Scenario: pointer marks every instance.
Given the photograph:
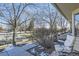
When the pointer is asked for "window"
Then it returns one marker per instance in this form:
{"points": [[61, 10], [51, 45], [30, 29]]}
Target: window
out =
{"points": [[77, 24]]}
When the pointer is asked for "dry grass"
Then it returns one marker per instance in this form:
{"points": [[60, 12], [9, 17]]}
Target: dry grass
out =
{"points": [[3, 46]]}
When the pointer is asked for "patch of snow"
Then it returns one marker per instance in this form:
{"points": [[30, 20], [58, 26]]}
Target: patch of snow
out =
{"points": [[54, 53], [17, 51], [67, 49], [59, 47], [61, 41], [3, 54], [28, 46], [69, 40], [43, 54], [33, 51], [9, 47], [67, 44]]}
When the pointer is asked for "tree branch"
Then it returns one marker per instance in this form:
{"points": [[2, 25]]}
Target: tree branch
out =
{"points": [[23, 22], [4, 23]]}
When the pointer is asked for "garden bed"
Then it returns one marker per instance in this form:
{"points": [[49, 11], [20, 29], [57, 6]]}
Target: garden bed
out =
{"points": [[38, 51]]}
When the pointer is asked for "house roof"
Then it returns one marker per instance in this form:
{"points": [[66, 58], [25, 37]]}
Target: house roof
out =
{"points": [[67, 9]]}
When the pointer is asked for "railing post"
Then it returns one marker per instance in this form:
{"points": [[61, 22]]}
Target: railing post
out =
{"points": [[73, 25], [73, 30]]}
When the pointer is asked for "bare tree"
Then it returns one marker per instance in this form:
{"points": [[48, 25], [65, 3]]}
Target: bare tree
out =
{"points": [[46, 36], [31, 25], [13, 16], [52, 21], [62, 24]]}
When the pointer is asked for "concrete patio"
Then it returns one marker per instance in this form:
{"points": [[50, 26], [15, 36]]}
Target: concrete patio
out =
{"points": [[17, 51]]}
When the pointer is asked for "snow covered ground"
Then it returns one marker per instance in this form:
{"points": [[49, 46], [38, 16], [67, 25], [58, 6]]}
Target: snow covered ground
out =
{"points": [[10, 50], [17, 51]]}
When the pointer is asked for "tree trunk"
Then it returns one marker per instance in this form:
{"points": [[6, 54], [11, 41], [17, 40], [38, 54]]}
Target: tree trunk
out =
{"points": [[52, 38], [14, 43]]}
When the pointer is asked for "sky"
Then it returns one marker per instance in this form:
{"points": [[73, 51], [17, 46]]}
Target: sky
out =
{"points": [[77, 17], [32, 9], [77, 20]]}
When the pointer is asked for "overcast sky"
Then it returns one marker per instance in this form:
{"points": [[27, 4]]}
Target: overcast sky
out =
{"points": [[31, 9]]}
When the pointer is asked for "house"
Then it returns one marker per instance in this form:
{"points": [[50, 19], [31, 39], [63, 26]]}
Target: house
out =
{"points": [[69, 11]]}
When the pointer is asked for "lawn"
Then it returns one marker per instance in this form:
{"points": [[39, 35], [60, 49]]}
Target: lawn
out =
{"points": [[25, 35]]}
